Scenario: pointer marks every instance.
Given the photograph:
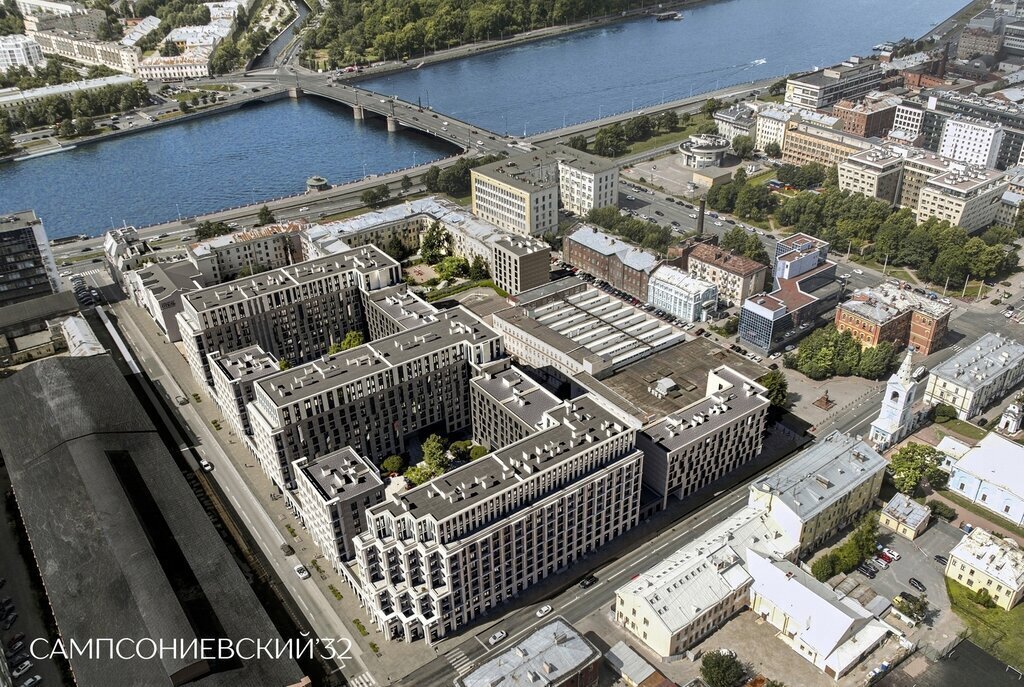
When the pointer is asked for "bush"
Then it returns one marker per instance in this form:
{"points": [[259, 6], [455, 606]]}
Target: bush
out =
{"points": [[983, 598], [944, 413], [996, 301], [824, 568], [941, 510]]}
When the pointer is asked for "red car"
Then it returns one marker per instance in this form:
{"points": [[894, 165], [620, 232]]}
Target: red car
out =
{"points": [[884, 556]]}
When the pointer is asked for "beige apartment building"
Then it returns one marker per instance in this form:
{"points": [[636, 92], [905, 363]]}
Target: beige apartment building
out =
{"points": [[586, 182], [737, 277], [518, 194], [806, 143], [995, 564]]}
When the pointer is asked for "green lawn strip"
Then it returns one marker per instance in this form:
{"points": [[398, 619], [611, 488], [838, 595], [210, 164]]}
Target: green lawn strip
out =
{"points": [[999, 632], [963, 428], [961, 502]]}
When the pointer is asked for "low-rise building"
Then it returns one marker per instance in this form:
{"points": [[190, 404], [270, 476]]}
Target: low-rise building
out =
{"points": [[867, 118], [875, 172], [159, 287], [87, 49], [978, 376], [905, 516], [676, 292], [12, 97], [897, 315], [553, 655], [704, 150], [193, 63], [823, 88], [774, 120], [19, 51], [332, 495], [699, 444], [518, 194], [586, 182], [996, 564], [737, 120], [832, 631], [989, 475], [825, 488], [737, 277], [610, 259], [806, 142], [441, 555], [234, 378], [696, 589]]}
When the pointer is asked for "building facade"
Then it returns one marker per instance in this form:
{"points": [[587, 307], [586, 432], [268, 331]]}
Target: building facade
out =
{"points": [[27, 269], [893, 314], [506, 405], [19, 51], [610, 259], [234, 381], [984, 561], [86, 49], [901, 408], [867, 118], [247, 252], [823, 88], [905, 516], [519, 194], [971, 140], [988, 476], [736, 277], [586, 182], [672, 290], [978, 376]]}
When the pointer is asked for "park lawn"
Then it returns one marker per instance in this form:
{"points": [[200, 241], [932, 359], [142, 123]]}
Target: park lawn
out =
{"points": [[462, 200], [999, 632], [961, 502], [676, 135], [963, 428], [225, 87]]}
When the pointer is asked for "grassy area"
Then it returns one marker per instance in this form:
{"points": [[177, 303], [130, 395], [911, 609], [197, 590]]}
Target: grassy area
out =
{"points": [[462, 200], [438, 294], [999, 632], [964, 429], [961, 502], [223, 87]]}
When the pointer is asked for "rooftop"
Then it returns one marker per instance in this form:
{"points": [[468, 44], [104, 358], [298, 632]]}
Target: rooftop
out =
{"points": [[169, 280], [723, 259], [821, 474], [708, 568], [549, 655], [596, 240], [583, 161], [905, 510], [209, 246], [515, 391], [996, 460], [341, 474], [527, 173], [249, 363], [999, 558], [681, 279], [784, 113], [829, 75], [42, 308], [885, 301], [60, 89], [403, 306], [981, 362], [124, 535], [967, 179]]}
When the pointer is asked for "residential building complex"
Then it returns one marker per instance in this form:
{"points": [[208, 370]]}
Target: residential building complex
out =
{"points": [[832, 631], [697, 588], [569, 327], [804, 289], [706, 440], [978, 376], [442, 554], [373, 396], [19, 51], [897, 315], [736, 277], [27, 268], [294, 313], [87, 49], [996, 564], [989, 476], [193, 63], [774, 120], [807, 142], [158, 288], [506, 405], [394, 309], [251, 251], [234, 381], [825, 488], [57, 7], [553, 655], [939, 107], [824, 88], [518, 194], [672, 290], [85, 24], [12, 97], [586, 182], [905, 516], [607, 258], [333, 493]]}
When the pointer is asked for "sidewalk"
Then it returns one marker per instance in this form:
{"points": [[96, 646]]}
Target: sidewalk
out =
{"points": [[964, 515], [387, 661]]}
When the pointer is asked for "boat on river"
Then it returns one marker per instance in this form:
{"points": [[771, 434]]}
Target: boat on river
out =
{"points": [[668, 16]]}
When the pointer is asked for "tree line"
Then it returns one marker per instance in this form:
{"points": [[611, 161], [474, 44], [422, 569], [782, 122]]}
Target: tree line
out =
{"points": [[56, 71], [743, 199], [827, 352], [613, 140], [650, 236], [454, 179], [56, 108]]}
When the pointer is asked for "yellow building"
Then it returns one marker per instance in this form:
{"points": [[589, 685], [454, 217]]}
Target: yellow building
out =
{"points": [[905, 517], [519, 194], [984, 561]]}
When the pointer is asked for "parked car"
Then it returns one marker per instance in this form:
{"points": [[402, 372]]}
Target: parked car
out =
{"points": [[941, 560], [301, 571], [544, 610], [15, 639], [18, 646], [880, 563], [917, 584], [891, 553], [497, 637], [884, 556], [21, 669], [32, 681], [287, 550], [726, 652], [866, 571], [588, 581]]}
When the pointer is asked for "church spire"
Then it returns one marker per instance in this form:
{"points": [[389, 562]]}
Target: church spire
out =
{"points": [[904, 372]]}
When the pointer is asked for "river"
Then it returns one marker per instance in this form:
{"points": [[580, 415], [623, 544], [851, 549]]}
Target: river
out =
{"points": [[270, 150]]}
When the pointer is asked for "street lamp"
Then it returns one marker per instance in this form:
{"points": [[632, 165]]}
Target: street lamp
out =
{"points": [[179, 211]]}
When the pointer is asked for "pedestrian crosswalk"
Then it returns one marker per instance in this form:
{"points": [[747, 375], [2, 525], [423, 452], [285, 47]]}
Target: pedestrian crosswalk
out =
{"points": [[95, 270], [459, 661], [363, 680]]}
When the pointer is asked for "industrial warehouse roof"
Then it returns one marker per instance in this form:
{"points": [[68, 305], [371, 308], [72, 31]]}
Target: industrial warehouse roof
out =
{"points": [[124, 548]]}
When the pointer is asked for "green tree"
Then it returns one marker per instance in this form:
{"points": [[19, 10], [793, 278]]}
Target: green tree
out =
{"points": [[754, 202], [353, 338], [943, 412], [721, 670], [264, 217], [478, 269], [6, 143], [914, 462], [824, 568], [735, 240], [67, 129], [773, 150], [478, 452], [915, 607], [743, 146], [755, 250], [865, 537], [711, 106], [460, 450], [283, 364], [169, 49], [393, 464], [435, 244], [452, 267], [84, 126], [610, 141], [638, 128], [430, 179], [668, 120], [777, 386], [579, 142], [435, 453], [405, 183]]}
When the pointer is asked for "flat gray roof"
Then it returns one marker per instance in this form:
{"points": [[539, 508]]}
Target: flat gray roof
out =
{"points": [[402, 305], [251, 362], [981, 362], [530, 172], [517, 393], [18, 220], [907, 511], [123, 545], [822, 473], [547, 656], [582, 160], [166, 280], [341, 474], [41, 308]]}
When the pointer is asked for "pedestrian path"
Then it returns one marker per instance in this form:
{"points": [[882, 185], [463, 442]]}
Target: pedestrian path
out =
{"points": [[362, 680], [459, 661]]}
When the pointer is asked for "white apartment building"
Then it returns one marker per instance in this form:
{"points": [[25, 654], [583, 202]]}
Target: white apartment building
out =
{"points": [[706, 440], [191, 64], [968, 197], [63, 9], [373, 396], [909, 118], [250, 251], [518, 194], [441, 555], [333, 493], [295, 312], [674, 291], [972, 141], [823, 489], [737, 120], [824, 88], [88, 50], [586, 182], [773, 120], [978, 376], [19, 51], [875, 172], [697, 588]]}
